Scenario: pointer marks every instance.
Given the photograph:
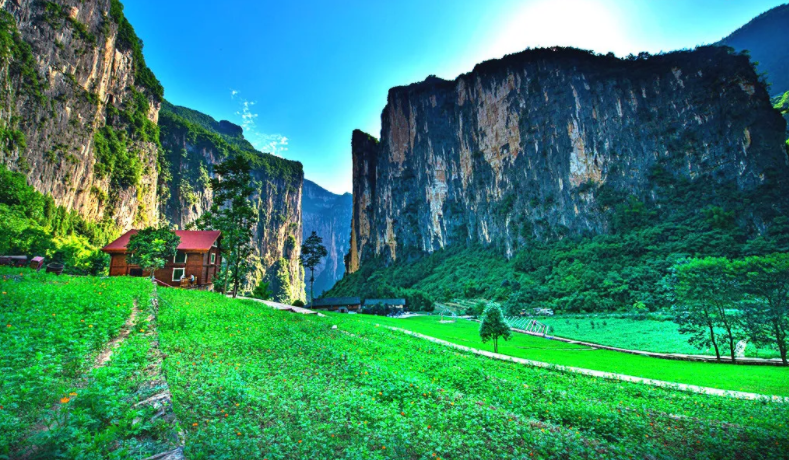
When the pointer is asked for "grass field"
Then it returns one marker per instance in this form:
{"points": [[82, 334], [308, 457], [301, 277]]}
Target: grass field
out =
{"points": [[647, 335], [250, 382], [768, 380], [52, 329]]}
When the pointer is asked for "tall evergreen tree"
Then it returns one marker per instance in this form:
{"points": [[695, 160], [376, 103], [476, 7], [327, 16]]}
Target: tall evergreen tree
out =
{"points": [[494, 327], [232, 213], [312, 251]]}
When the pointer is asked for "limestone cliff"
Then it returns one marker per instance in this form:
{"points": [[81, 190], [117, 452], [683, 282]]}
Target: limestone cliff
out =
{"points": [[520, 148], [328, 215], [193, 143], [78, 108]]}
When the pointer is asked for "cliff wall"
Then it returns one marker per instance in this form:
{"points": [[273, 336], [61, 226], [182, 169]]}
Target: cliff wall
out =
{"points": [[521, 148], [328, 215], [78, 108]]}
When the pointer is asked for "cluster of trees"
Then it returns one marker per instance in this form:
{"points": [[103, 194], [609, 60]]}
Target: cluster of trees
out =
{"points": [[32, 224], [721, 301]]}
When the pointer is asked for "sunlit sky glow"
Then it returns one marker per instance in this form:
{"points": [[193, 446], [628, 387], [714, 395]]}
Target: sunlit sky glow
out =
{"points": [[300, 76]]}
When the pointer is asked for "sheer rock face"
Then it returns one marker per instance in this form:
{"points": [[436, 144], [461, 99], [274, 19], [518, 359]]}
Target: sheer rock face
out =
{"points": [[365, 156], [80, 77], [516, 149], [328, 215]]}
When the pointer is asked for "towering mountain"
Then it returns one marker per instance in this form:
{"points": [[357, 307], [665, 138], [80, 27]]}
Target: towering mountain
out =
{"points": [[80, 118], [521, 148], [550, 148], [766, 38], [328, 215], [193, 143], [79, 108]]}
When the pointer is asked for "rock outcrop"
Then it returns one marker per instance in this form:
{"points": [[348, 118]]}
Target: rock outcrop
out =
{"points": [[520, 148], [193, 143], [79, 107], [328, 215]]}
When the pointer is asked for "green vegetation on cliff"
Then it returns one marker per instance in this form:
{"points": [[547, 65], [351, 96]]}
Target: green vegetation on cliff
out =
{"points": [[17, 53], [128, 40], [688, 218], [32, 224], [223, 138]]}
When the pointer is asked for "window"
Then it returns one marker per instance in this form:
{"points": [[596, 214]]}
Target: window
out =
{"points": [[178, 273], [213, 257], [180, 257]]}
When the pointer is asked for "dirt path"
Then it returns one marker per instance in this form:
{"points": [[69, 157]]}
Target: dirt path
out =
{"points": [[601, 374], [106, 353], [283, 307]]}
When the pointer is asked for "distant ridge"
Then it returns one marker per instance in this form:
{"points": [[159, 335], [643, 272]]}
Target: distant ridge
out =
{"points": [[766, 37]]}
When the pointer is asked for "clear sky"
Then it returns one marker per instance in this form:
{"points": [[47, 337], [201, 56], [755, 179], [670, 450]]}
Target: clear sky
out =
{"points": [[300, 76]]}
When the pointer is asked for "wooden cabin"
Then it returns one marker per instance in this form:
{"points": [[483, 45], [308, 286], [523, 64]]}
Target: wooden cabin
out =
{"points": [[199, 254]]}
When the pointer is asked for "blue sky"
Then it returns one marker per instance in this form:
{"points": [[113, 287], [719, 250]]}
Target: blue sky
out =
{"points": [[300, 76]]}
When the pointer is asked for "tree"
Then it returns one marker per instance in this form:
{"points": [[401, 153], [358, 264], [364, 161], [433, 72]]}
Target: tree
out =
{"points": [[493, 326], [232, 213], [151, 247], [262, 291], [767, 282], [708, 291], [312, 251]]}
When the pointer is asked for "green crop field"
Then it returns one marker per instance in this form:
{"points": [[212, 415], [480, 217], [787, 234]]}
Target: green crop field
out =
{"points": [[51, 397], [647, 335], [250, 382], [770, 380]]}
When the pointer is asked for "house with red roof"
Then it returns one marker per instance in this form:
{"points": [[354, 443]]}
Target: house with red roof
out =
{"points": [[195, 263]]}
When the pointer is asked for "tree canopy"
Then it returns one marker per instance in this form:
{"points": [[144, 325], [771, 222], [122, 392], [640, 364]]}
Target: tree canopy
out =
{"points": [[493, 326]]}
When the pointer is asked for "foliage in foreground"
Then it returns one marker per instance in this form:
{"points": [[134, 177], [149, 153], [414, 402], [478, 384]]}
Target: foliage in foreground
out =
{"points": [[52, 329], [249, 382]]}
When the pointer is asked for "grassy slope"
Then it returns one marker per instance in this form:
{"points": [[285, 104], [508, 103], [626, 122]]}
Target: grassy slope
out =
{"points": [[647, 335], [250, 382], [758, 379], [52, 329]]}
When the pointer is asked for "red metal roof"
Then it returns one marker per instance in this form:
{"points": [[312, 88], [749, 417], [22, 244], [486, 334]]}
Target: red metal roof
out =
{"points": [[191, 240]]}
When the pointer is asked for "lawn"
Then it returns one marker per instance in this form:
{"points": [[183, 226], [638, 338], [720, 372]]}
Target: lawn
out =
{"points": [[770, 380], [251, 382], [53, 327], [647, 335]]}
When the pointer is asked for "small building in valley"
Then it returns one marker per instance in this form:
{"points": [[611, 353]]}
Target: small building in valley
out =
{"points": [[392, 304], [341, 304], [199, 255]]}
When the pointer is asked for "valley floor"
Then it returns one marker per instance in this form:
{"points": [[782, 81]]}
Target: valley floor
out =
{"points": [[248, 381], [767, 380]]}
